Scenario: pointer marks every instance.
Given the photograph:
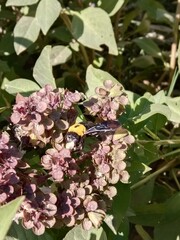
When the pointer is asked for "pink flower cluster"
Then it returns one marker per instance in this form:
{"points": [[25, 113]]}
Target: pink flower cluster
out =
{"points": [[68, 187], [44, 115], [108, 102]]}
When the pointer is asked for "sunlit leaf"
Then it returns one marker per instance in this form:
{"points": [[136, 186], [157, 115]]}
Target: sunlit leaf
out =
{"points": [[21, 85], [174, 106], [88, 28], [145, 108], [7, 213], [42, 71], [17, 232], [20, 2], [172, 103], [26, 33], [95, 78], [179, 56], [60, 55], [47, 12], [111, 7], [78, 233], [154, 109]]}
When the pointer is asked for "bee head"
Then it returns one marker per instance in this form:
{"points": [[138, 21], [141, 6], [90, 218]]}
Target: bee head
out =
{"points": [[74, 136]]}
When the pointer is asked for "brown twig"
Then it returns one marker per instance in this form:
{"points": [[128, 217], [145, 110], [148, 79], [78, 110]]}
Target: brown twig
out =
{"points": [[175, 42]]}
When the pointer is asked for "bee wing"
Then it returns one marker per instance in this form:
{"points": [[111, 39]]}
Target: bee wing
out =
{"points": [[106, 126]]}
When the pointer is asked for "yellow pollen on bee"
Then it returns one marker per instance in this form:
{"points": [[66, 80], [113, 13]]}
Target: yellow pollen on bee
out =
{"points": [[80, 129]]}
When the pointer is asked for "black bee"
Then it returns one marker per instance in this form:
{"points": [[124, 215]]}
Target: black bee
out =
{"points": [[77, 132]]}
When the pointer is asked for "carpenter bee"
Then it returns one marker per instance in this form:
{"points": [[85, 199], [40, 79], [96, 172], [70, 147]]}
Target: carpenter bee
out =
{"points": [[77, 132]]}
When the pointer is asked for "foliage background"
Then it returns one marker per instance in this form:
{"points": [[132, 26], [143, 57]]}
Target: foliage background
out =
{"points": [[77, 45]]}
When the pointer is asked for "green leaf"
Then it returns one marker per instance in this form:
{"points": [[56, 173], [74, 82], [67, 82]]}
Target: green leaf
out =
{"points": [[88, 28], [6, 44], [119, 207], [145, 109], [21, 85], [149, 215], [111, 7], [172, 103], [4, 66], [146, 193], [7, 213], [20, 2], [123, 231], [158, 214], [17, 232], [156, 11], [143, 61], [156, 122], [78, 233], [61, 33], [174, 106], [60, 55], [149, 46], [154, 109], [159, 97], [145, 153], [26, 33], [42, 71], [167, 231], [95, 78], [179, 56], [47, 12]]}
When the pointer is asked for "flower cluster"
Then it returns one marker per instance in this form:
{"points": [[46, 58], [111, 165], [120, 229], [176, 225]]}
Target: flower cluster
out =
{"points": [[108, 102], [9, 158], [60, 163], [44, 115], [70, 186], [79, 203], [38, 212]]}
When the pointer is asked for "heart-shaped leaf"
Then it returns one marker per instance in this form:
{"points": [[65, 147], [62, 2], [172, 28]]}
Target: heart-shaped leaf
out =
{"points": [[42, 71], [88, 28], [26, 33], [47, 12]]}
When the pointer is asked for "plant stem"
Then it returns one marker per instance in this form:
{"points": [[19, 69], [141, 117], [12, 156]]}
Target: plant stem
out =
{"points": [[154, 174], [68, 24], [84, 53], [175, 179], [144, 235], [160, 142], [151, 134], [175, 42]]}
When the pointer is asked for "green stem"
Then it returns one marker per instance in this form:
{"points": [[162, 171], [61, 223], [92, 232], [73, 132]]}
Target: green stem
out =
{"points": [[68, 24], [154, 174], [167, 185], [84, 53], [67, 21], [151, 134], [175, 179], [160, 142], [144, 235]]}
